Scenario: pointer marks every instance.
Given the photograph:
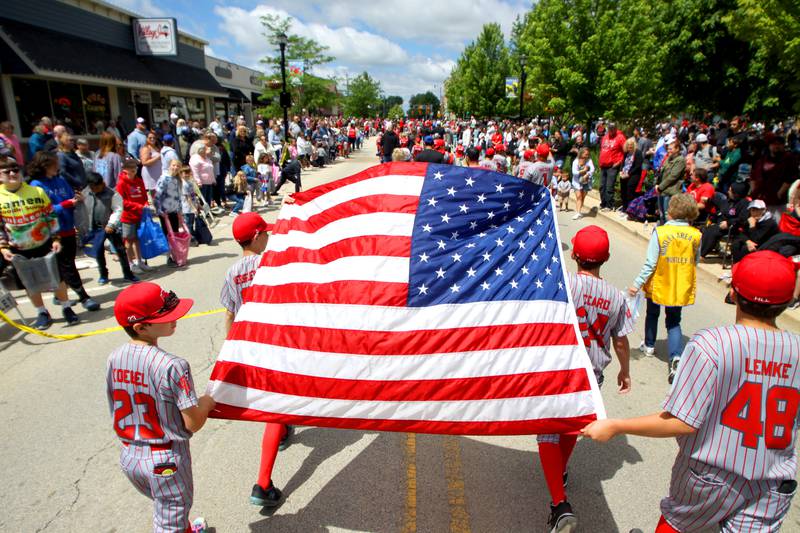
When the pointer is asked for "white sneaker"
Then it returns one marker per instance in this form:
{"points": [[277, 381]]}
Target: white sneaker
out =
{"points": [[649, 351], [136, 269], [577, 216], [145, 267]]}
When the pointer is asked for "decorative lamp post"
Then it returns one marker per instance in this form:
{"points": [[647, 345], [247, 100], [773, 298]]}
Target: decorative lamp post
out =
{"points": [[522, 75], [285, 97]]}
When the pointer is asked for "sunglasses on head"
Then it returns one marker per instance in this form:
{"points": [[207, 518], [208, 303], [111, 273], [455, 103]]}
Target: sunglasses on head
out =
{"points": [[170, 303]]}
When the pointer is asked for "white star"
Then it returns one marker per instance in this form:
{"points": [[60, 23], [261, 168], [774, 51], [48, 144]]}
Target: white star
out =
{"points": [[485, 286], [456, 257], [440, 273], [506, 205], [549, 234], [499, 187], [520, 219], [514, 284], [426, 227], [546, 212], [486, 257], [530, 232], [499, 242], [534, 256], [529, 211], [463, 208], [510, 258], [490, 215], [482, 234], [539, 284], [548, 271], [454, 236], [493, 226], [438, 176], [521, 245], [542, 245], [424, 257], [521, 194], [455, 288], [498, 271], [525, 270], [544, 194], [470, 181], [509, 229], [446, 218], [432, 202], [473, 224], [451, 191], [471, 272], [555, 259], [538, 221], [422, 289], [481, 198], [560, 285], [441, 244], [471, 245]]}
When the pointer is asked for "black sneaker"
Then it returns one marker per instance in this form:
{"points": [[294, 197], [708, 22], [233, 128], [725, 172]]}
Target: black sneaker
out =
{"points": [[673, 369], [287, 439], [270, 497], [70, 316], [561, 518], [43, 321]]}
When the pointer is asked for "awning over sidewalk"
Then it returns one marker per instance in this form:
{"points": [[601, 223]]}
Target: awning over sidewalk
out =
{"points": [[237, 95], [48, 53]]}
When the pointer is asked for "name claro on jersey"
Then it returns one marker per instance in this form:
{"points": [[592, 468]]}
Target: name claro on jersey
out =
{"points": [[595, 301], [759, 367]]}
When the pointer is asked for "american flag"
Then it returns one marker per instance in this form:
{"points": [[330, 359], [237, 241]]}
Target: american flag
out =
{"points": [[411, 297]]}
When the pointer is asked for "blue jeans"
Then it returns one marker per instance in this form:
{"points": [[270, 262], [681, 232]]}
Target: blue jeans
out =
{"points": [[239, 202], [663, 205], [673, 323]]}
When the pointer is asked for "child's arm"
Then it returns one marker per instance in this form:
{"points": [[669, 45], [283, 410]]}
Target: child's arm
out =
{"points": [[229, 317], [623, 350], [194, 418], [657, 425]]}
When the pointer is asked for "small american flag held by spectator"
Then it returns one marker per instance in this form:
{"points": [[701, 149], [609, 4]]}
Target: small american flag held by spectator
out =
{"points": [[411, 297]]}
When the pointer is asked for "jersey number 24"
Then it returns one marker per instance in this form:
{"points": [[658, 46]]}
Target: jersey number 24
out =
{"points": [[149, 415], [743, 414]]}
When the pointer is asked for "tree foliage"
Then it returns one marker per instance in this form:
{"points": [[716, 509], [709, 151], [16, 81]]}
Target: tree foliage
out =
{"points": [[364, 96], [424, 99], [391, 101], [396, 112]]}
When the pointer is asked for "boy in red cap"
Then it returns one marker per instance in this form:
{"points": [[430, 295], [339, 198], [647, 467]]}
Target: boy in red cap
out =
{"points": [[252, 233], [152, 400], [488, 162], [733, 408], [541, 171], [604, 320]]}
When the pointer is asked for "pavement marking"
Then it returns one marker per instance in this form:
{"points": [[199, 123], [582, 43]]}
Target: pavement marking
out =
{"points": [[410, 520], [72, 336], [459, 517]]}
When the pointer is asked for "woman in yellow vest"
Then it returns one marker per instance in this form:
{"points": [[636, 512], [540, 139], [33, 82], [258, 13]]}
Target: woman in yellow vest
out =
{"points": [[669, 276]]}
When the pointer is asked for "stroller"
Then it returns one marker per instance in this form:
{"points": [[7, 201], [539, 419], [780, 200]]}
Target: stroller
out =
{"points": [[205, 210]]}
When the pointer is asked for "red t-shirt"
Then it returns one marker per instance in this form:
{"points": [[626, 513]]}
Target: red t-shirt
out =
{"points": [[611, 150], [134, 197], [699, 191]]}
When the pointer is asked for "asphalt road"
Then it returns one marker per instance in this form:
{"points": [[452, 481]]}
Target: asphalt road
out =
{"points": [[59, 455]]}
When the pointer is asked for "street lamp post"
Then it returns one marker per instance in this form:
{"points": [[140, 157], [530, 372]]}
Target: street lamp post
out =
{"points": [[522, 61], [285, 98]]}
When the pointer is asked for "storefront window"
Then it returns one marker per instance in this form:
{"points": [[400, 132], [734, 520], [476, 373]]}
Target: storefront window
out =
{"points": [[96, 106], [219, 109], [33, 103], [67, 103], [197, 108]]}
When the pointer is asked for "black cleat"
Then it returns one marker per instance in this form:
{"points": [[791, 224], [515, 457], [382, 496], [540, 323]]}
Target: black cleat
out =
{"points": [[270, 497], [70, 316], [286, 441], [561, 518]]}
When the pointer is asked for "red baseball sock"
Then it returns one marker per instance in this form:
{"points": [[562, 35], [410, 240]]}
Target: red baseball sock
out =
{"points": [[567, 444], [664, 527], [552, 466], [273, 433]]}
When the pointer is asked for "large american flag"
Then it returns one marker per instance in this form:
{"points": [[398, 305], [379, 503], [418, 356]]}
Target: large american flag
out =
{"points": [[411, 297]]}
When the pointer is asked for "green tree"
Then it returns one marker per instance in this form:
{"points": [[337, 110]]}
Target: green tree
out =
{"points": [[391, 101], [396, 112], [423, 99], [364, 96], [312, 92]]}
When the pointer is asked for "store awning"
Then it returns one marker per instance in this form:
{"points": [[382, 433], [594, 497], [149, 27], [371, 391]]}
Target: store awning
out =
{"points": [[237, 95], [49, 53], [260, 99]]}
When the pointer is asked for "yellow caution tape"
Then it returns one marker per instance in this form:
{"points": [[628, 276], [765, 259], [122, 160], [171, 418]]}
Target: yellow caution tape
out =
{"points": [[71, 336]]}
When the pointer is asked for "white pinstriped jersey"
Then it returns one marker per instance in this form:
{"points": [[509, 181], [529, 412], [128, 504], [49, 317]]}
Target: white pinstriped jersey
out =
{"points": [[602, 312], [147, 388], [740, 388], [239, 277]]}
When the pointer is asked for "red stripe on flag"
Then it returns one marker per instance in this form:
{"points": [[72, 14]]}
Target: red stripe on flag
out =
{"points": [[432, 390], [336, 292], [408, 169], [378, 203], [368, 245], [515, 427], [405, 342]]}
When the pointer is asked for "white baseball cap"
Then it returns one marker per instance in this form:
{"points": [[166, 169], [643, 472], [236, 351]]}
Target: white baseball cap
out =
{"points": [[140, 120], [701, 138], [173, 116], [757, 204]]}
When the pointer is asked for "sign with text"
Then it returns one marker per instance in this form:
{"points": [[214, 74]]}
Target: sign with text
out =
{"points": [[155, 37]]}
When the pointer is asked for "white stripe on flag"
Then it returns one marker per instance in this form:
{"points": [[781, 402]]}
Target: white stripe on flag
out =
{"points": [[495, 410], [356, 268], [400, 185], [500, 362], [389, 224], [378, 318]]}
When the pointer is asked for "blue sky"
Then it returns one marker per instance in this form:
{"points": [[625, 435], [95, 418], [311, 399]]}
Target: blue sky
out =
{"points": [[409, 46]]}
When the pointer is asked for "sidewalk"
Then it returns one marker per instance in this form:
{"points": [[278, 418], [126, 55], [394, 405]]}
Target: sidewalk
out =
{"points": [[709, 272]]}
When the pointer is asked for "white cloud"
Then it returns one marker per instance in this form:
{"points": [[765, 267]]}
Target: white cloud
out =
{"points": [[140, 7], [434, 71]]}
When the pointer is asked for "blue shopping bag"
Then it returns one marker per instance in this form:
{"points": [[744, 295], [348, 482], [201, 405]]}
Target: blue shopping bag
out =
{"points": [[151, 237]]}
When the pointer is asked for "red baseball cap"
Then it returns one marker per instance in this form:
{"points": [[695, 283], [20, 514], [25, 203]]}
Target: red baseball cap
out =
{"points": [[765, 277], [148, 303], [528, 154], [591, 245], [500, 147], [489, 152], [438, 142], [543, 149], [247, 225]]}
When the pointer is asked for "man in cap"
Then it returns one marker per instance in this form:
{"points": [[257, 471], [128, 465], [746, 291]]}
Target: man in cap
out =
{"points": [[733, 408], [137, 138], [429, 154], [706, 156]]}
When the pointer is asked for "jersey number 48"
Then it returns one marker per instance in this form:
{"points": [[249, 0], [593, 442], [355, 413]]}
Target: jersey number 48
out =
{"points": [[743, 414]]}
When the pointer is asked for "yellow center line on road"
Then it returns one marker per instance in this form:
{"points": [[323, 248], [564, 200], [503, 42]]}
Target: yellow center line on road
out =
{"points": [[456, 498], [410, 518]]}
